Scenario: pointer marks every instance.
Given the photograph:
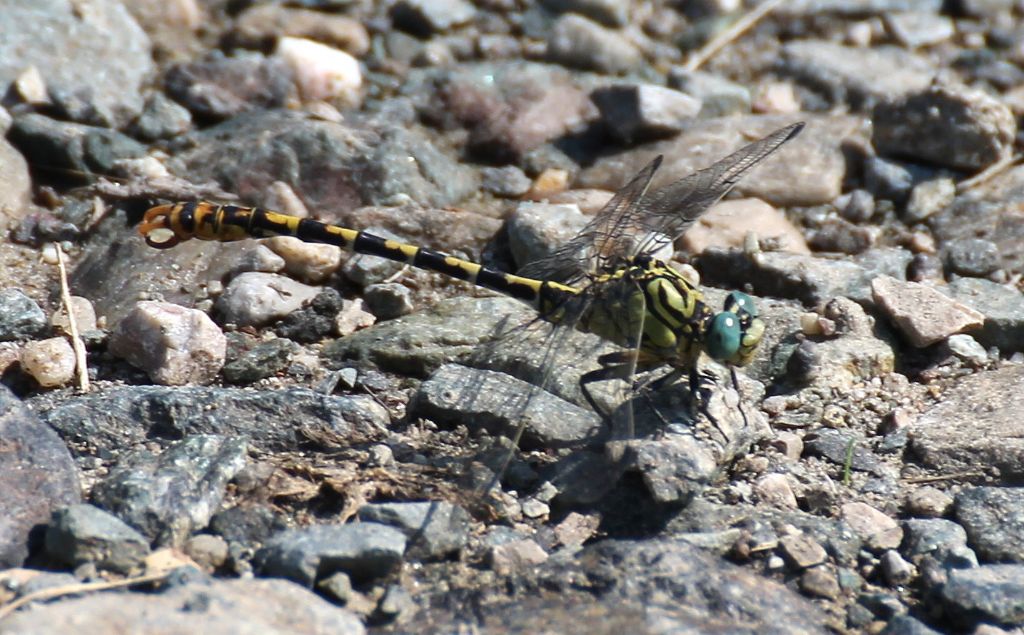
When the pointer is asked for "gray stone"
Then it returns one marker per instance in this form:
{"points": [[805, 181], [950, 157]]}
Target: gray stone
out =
{"points": [[928, 502], [990, 593], [994, 520], [425, 17], [365, 270], [640, 112], [610, 13], [719, 97], [38, 34], [15, 184], [388, 300], [119, 418], [577, 42], [897, 571], [169, 496], [396, 605], [842, 448], [161, 118], [86, 534], [1002, 307], [922, 313], [37, 475], [501, 404], [915, 29], [265, 359], [20, 317], [928, 198], [219, 607], [802, 551], [537, 229], [858, 76], [77, 148], [256, 299], [967, 349], [172, 344], [988, 404], [975, 257], [995, 214], [435, 529], [941, 539], [920, 126], [221, 87], [508, 181], [907, 625], [364, 551]]}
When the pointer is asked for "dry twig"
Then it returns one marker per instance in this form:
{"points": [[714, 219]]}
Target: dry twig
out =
{"points": [[719, 42]]}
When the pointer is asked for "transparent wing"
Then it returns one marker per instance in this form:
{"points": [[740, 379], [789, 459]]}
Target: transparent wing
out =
{"points": [[636, 221]]}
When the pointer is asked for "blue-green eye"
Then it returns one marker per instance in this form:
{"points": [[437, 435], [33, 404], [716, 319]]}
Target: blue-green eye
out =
{"points": [[723, 337], [738, 301]]}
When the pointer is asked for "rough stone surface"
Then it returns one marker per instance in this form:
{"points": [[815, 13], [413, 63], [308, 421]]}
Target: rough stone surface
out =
{"points": [[20, 316], [923, 314], [86, 534], [994, 520], [578, 42], [255, 299], [434, 529]]}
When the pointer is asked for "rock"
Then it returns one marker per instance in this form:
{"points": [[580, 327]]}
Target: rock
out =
{"points": [[577, 42], [918, 127], [516, 556], [640, 112], [352, 317], [990, 593], [118, 418], [255, 299], [928, 198], [434, 529], [396, 605], [994, 522], [83, 312], [719, 97], [943, 540], [914, 29], [875, 528], [51, 362], [312, 322], [15, 185], [858, 76], [426, 17], [896, 570], [169, 496], [37, 475], [221, 87], [802, 551], [257, 25], [726, 225], [501, 403], [364, 551], [608, 12], [76, 148], [537, 229], [974, 257], [161, 118], [928, 502], [271, 607], [986, 404], [508, 181], [923, 314], [208, 551], [266, 359], [775, 490], [857, 207], [38, 34], [20, 317], [172, 344], [321, 72], [388, 300], [82, 534], [311, 262], [843, 448], [1003, 309], [820, 582]]}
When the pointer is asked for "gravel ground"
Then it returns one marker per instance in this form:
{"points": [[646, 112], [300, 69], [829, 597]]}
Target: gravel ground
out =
{"points": [[280, 437]]}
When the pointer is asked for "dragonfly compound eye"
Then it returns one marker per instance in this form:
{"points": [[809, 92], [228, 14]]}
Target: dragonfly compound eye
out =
{"points": [[739, 302], [723, 337]]}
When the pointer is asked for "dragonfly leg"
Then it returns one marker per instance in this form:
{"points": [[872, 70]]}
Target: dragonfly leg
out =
{"points": [[701, 384], [618, 365]]}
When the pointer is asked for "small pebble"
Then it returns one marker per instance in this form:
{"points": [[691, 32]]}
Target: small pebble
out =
{"points": [[51, 362], [321, 72]]}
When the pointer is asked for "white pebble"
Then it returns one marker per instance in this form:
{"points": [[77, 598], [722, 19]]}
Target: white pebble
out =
{"points": [[322, 73], [50, 362]]}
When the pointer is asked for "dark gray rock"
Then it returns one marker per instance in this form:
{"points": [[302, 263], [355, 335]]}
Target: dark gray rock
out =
{"points": [[941, 539], [973, 257], [996, 217], [364, 551], [120, 418], [990, 593], [77, 148], [161, 118], [608, 12], [641, 112], [946, 125], [1002, 307], [314, 322], [86, 534], [989, 405], [169, 496], [37, 475], [40, 33], [388, 300], [265, 359], [994, 520], [20, 316], [246, 524], [842, 448], [434, 529], [501, 404], [426, 17], [221, 607], [220, 87], [577, 42], [859, 76], [907, 625]]}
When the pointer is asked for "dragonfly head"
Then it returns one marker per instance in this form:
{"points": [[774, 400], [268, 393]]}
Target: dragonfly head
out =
{"points": [[735, 332]]}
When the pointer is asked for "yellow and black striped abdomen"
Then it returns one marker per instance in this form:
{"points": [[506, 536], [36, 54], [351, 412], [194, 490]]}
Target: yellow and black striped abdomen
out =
{"points": [[165, 226]]}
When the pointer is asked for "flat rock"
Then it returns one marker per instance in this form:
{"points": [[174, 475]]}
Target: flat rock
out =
{"points": [[83, 533], [20, 316], [256, 299], [1002, 307], [994, 520], [577, 42], [169, 496], [990, 593], [640, 112], [726, 225], [922, 313], [988, 405], [435, 529], [229, 607], [364, 551], [37, 476]]}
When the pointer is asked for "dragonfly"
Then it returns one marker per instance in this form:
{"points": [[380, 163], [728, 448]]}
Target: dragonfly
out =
{"points": [[606, 280]]}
